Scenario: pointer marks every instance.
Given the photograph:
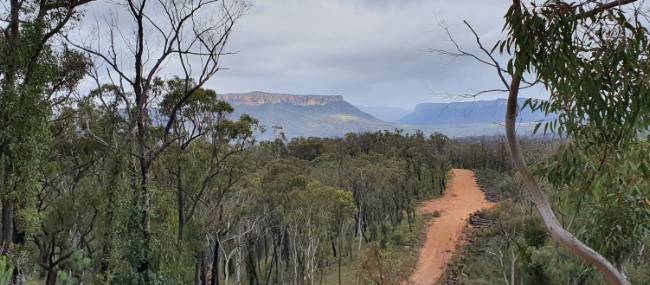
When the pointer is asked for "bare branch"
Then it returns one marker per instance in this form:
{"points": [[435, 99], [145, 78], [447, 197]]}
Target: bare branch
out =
{"points": [[603, 7]]}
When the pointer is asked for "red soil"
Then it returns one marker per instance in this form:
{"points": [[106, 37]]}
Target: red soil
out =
{"points": [[462, 198]]}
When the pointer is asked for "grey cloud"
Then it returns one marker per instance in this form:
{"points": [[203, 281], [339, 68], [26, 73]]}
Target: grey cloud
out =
{"points": [[373, 52]]}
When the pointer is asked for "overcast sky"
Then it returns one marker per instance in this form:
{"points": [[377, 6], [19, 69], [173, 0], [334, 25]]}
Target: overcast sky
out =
{"points": [[373, 52]]}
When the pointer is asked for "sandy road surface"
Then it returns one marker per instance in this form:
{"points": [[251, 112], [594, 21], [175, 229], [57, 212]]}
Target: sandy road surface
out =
{"points": [[462, 198]]}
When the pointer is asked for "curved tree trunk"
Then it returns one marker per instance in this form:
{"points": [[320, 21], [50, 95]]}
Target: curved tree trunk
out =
{"points": [[551, 222]]}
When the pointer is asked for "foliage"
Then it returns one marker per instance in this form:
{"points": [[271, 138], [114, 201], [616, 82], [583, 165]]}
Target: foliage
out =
{"points": [[6, 271], [516, 244], [592, 59]]}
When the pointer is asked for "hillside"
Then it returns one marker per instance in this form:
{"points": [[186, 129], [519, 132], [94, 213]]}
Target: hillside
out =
{"points": [[332, 116], [474, 112], [303, 115]]}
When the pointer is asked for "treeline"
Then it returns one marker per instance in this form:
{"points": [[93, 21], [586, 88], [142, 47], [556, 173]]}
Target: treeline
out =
{"points": [[491, 152], [219, 207], [481, 153]]}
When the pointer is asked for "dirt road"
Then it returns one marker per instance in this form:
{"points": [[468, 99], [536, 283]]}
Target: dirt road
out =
{"points": [[462, 198]]}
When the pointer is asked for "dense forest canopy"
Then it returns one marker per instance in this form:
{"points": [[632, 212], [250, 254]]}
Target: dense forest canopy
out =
{"points": [[148, 178]]}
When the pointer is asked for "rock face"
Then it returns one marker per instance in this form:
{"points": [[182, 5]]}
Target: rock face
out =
{"points": [[258, 98], [303, 115]]}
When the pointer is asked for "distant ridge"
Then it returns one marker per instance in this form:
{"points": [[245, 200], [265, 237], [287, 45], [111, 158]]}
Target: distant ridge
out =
{"points": [[303, 115], [333, 116], [257, 98], [471, 112]]}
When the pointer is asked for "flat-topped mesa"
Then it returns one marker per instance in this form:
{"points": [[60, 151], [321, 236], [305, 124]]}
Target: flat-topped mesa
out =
{"points": [[257, 98]]}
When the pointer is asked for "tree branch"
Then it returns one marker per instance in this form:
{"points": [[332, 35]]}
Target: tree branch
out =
{"points": [[603, 7]]}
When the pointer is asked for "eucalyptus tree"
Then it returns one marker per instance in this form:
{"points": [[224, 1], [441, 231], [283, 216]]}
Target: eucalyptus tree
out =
{"points": [[204, 165], [37, 73], [311, 215], [206, 120], [192, 34], [68, 204], [592, 59]]}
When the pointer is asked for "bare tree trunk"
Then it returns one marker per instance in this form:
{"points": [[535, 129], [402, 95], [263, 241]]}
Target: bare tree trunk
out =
{"points": [[197, 273], [238, 258], [215, 263], [51, 276], [204, 270], [513, 262], [226, 267], [9, 85], [273, 262], [180, 199], [359, 230], [107, 247], [7, 222], [340, 253], [145, 224], [558, 233]]}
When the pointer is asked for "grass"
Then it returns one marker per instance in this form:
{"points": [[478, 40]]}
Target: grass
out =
{"points": [[398, 254]]}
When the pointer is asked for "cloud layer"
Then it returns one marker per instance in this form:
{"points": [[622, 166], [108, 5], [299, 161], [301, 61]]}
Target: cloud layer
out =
{"points": [[373, 52]]}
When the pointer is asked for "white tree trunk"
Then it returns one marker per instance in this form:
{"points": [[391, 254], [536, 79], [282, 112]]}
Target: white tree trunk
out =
{"points": [[359, 226], [295, 259], [538, 197], [238, 262]]}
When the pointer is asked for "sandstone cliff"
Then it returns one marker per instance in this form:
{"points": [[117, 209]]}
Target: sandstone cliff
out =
{"points": [[258, 98]]}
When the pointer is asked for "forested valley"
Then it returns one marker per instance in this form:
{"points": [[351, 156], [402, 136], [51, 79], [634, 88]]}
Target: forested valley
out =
{"points": [[221, 208], [117, 170]]}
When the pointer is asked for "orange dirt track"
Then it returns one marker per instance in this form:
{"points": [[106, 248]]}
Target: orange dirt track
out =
{"points": [[461, 198]]}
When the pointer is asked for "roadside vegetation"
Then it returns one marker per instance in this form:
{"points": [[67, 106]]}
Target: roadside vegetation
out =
{"points": [[513, 247]]}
